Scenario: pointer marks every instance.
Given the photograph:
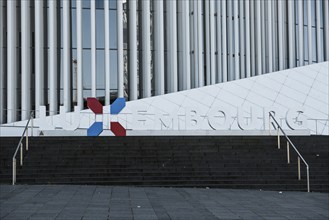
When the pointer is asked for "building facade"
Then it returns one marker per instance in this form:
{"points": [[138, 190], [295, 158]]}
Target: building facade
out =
{"points": [[55, 53]]}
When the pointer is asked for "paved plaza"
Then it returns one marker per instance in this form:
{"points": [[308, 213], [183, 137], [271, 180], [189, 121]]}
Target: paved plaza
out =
{"points": [[68, 202]]}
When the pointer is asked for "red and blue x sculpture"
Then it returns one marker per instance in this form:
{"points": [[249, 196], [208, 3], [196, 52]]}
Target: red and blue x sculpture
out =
{"points": [[97, 127]]}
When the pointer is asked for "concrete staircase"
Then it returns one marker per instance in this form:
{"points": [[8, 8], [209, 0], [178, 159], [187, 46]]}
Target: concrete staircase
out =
{"points": [[251, 162]]}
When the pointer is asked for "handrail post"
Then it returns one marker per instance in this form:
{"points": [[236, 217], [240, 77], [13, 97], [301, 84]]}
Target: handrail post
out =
{"points": [[299, 177], [278, 137], [27, 139], [308, 178], [288, 153], [32, 125], [14, 171], [21, 154], [269, 123]]}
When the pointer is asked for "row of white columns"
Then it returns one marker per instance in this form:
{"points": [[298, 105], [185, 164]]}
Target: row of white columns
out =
{"points": [[241, 40]]}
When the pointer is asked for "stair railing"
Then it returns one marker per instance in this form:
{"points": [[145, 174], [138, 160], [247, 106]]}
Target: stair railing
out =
{"points": [[288, 150], [20, 145]]}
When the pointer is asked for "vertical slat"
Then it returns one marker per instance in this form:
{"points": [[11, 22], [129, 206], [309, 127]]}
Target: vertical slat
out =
{"points": [[133, 49], [186, 41], [275, 36], [248, 59], [309, 32], [53, 62], [301, 32], [2, 71], [224, 42], [291, 27], [212, 42], [207, 41], [219, 43], [269, 36], [200, 45], [26, 59], [146, 49], [107, 51], [93, 47], [252, 37], [196, 43], [263, 36], [172, 46], [11, 61], [39, 55], [158, 47], [326, 29], [79, 54], [236, 41], [120, 47], [242, 40], [319, 47], [66, 55], [230, 41], [280, 32]]}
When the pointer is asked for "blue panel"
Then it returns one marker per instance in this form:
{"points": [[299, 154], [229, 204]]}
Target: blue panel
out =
{"points": [[95, 129], [117, 106]]}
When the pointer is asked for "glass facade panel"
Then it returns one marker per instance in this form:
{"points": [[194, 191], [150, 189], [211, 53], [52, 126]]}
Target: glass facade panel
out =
{"points": [[86, 57], [114, 70], [113, 29], [86, 29], [74, 28], [100, 29]]}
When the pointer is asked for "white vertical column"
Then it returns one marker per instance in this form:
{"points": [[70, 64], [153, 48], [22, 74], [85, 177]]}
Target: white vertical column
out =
{"points": [[186, 45], [212, 41], [230, 41], [93, 46], [53, 102], [263, 35], [319, 47], [195, 45], [79, 54], [200, 46], [301, 32], [242, 40], [39, 56], [236, 40], [207, 39], [107, 51], [309, 31], [269, 35], [11, 61], [2, 72], [248, 60], [258, 39], [133, 49], [172, 46], [275, 35], [224, 42], [280, 21], [120, 47], [252, 38], [26, 59], [159, 47], [326, 29], [146, 48], [66, 56], [219, 44], [291, 33]]}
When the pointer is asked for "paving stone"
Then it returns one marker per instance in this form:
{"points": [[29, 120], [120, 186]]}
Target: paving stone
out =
{"points": [[87, 202]]}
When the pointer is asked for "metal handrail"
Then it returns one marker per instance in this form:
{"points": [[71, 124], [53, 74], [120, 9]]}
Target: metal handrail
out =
{"points": [[288, 153], [20, 146]]}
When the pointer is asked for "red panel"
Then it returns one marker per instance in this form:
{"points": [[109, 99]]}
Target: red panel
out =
{"points": [[94, 105], [117, 129]]}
